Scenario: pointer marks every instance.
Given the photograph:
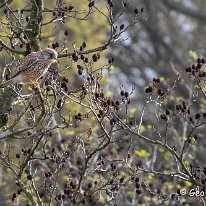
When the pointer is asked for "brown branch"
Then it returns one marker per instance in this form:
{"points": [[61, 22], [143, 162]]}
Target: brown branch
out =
{"points": [[6, 99], [4, 45], [5, 3], [101, 48], [30, 155], [20, 183], [34, 24]]}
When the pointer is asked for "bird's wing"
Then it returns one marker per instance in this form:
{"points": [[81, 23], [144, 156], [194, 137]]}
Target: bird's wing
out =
{"points": [[20, 61], [27, 64]]}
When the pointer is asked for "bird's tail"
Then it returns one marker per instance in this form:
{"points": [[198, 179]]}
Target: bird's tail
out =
{"points": [[7, 83]]}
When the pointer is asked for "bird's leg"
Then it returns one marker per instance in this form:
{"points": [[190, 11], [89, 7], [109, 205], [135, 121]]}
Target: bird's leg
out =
{"points": [[35, 84]]}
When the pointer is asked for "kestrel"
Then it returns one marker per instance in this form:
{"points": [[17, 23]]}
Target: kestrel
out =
{"points": [[32, 67]]}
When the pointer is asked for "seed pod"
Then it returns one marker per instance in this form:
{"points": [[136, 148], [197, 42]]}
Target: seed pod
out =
{"points": [[136, 11], [59, 104], [121, 27]]}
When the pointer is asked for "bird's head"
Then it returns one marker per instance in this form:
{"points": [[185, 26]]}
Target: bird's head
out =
{"points": [[49, 54]]}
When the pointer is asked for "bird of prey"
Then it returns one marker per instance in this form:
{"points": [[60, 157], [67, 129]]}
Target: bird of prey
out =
{"points": [[32, 67]]}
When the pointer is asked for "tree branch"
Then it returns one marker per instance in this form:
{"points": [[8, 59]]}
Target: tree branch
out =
{"points": [[5, 3]]}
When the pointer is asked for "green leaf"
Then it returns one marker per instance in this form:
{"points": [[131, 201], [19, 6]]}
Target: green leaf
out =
{"points": [[101, 199], [142, 153], [109, 94], [193, 54]]}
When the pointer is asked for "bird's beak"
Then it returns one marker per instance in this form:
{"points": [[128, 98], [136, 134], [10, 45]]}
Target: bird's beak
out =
{"points": [[56, 60]]}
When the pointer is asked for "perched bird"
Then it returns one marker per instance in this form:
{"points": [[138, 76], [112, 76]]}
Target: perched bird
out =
{"points": [[32, 67]]}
